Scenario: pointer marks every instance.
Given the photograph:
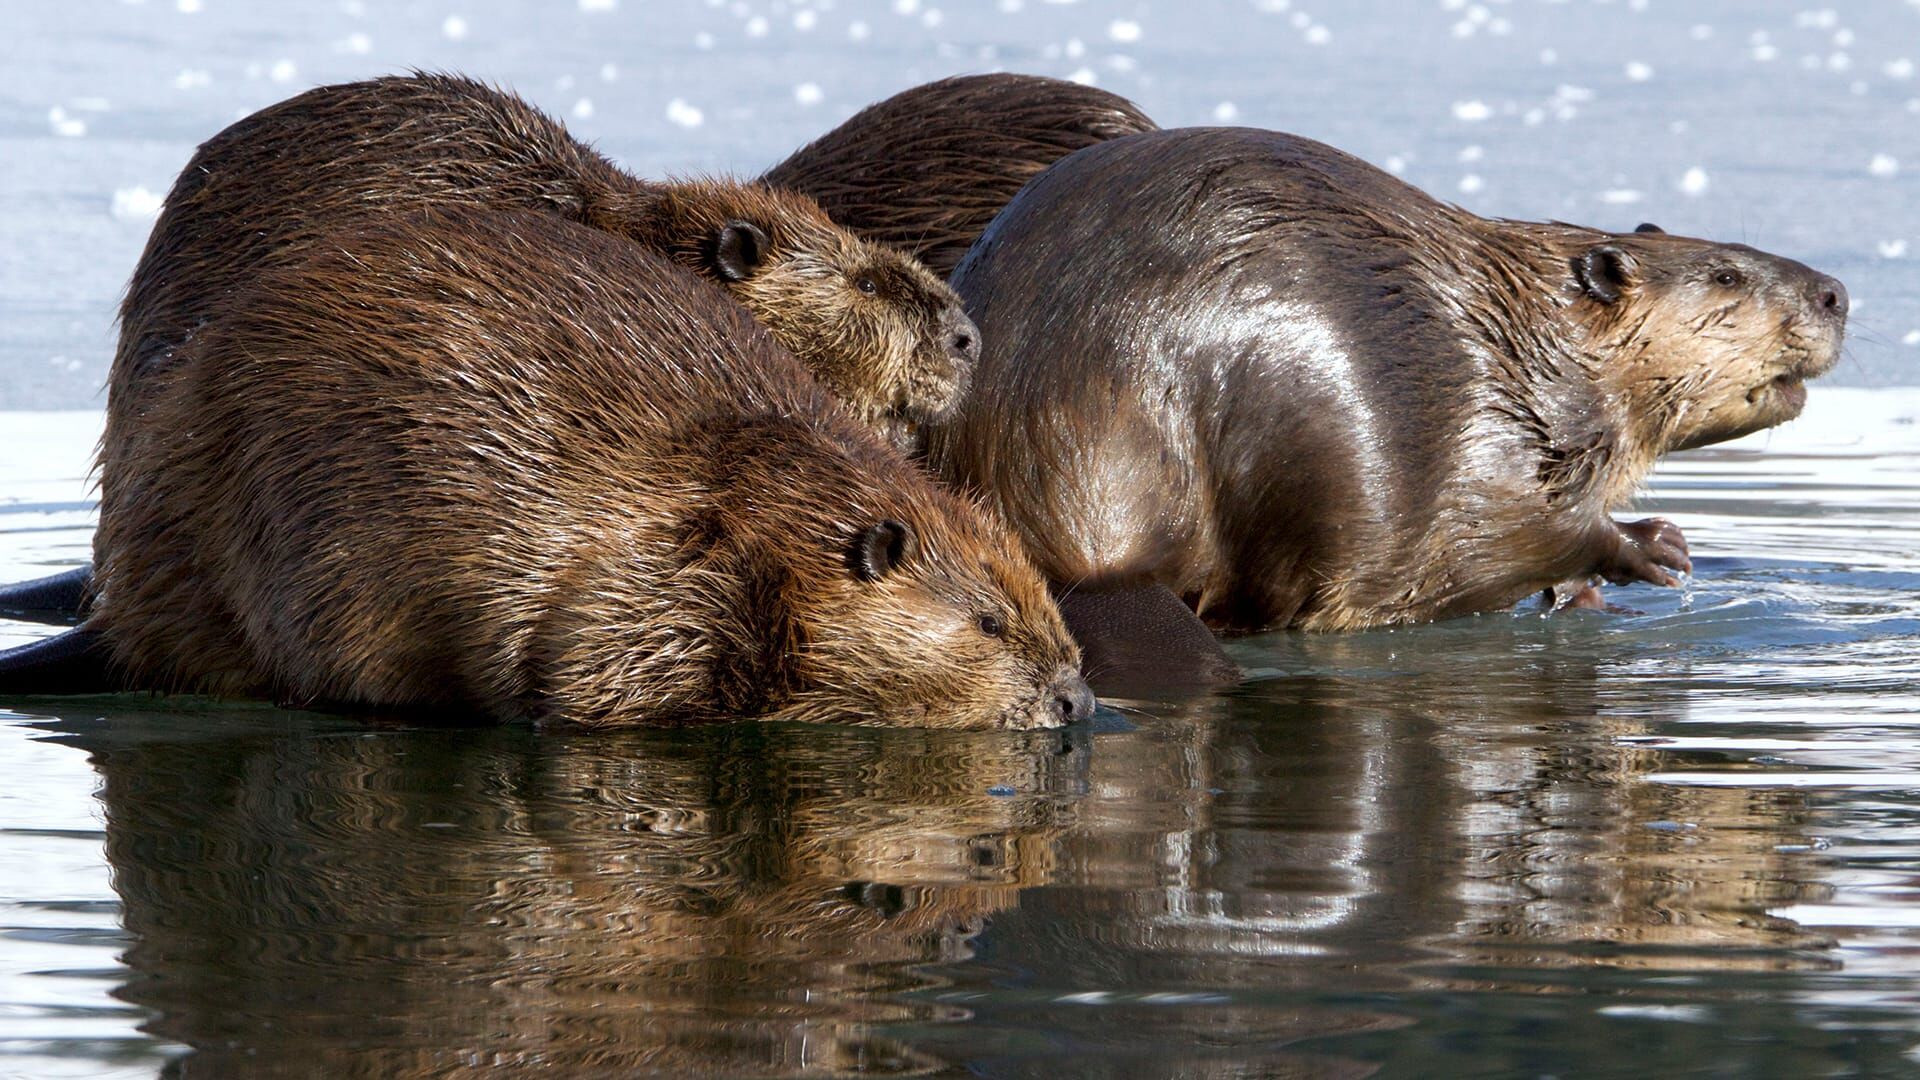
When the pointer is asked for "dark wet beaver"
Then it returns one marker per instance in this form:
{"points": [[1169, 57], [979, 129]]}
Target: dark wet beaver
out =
{"points": [[1299, 392], [884, 334], [502, 463], [928, 168]]}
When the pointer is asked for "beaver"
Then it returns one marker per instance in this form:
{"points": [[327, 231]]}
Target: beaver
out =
{"points": [[890, 339], [1299, 392], [884, 334], [928, 168], [499, 463]]}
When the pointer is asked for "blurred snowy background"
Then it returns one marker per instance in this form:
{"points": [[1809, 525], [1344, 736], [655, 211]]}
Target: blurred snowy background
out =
{"points": [[1796, 129]]}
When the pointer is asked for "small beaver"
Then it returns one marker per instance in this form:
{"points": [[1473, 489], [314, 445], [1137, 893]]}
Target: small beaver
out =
{"points": [[1299, 392], [498, 462], [928, 168], [884, 334]]}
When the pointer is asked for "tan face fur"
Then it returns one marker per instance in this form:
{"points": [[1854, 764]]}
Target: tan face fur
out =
{"points": [[806, 593], [1706, 342], [891, 341]]}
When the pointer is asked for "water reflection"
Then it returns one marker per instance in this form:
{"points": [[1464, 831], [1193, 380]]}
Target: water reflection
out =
{"points": [[1194, 890]]}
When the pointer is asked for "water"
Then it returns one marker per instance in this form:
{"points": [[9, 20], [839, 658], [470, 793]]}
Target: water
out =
{"points": [[1689, 833], [1684, 837]]}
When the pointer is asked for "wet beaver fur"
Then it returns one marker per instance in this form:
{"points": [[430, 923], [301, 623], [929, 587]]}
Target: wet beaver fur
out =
{"points": [[880, 331], [928, 168], [885, 335], [504, 464], [1299, 392]]}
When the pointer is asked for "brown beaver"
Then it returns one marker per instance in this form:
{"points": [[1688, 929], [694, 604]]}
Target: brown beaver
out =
{"points": [[884, 334], [502, 463], [1299, 392], [928, 168]]}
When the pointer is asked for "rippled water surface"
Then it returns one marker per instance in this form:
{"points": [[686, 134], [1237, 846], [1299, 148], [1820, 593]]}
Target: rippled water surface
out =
{"points": [[1687, 834]]}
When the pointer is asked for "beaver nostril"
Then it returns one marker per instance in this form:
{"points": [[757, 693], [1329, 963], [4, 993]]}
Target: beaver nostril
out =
{"points": [[1072, 699], [1832, 297]]}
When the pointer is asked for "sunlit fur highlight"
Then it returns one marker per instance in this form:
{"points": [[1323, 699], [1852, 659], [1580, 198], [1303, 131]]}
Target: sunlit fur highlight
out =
{"points": [[1300, 392], [502, 464], [259, 194]]}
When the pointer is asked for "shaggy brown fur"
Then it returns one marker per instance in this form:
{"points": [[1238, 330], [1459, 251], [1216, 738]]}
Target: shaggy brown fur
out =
{"points": [[503, 463], [928, 168], [1299, 392], [882, 333]]}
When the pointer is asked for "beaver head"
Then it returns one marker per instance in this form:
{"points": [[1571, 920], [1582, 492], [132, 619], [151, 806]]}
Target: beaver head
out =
{"points": [[1704, 342], [892, 341], [814, 576]]}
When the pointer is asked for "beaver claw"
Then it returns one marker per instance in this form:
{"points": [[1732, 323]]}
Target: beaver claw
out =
{"points": [[1646, 551]]}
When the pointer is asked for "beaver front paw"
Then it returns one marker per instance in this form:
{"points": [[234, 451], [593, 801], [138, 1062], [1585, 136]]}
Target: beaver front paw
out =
{"points": [[1646, 551]]}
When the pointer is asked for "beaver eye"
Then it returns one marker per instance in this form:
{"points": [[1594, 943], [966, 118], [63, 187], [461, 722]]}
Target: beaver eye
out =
{"points": [[865, 285], [1727, 278], [991, 625]]}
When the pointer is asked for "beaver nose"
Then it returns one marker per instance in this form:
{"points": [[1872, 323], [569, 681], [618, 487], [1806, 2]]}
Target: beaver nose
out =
{"points": [[961, 336], [1072, 697], [1830, 297]]}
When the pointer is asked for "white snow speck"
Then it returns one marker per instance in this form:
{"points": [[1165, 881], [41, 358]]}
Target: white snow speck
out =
{"points": [[1226, 112], [187, 7], [1911, 337], [1839, 62], [757, 26], [683, 114], [357, 43], [703, 41], [1272, 7], [1395, 164], [1883, 165], [67, 127], [1891, 249], [1011, 6], [453, 28], [1471, 183], [805, 20], [1694, 181], [1901, 68], [1700, 32], [808, 93], [858, 31], [609, 71], [282, 71], [1843, 37], [1075, 48], [1318, 34], [1471, 111], [1638, 72], [355, 9], [905, 7], [599, 5], [1549, 57], [192, 79], [1764, 52], [1083, 76], [1123, 30], [1620, 196], [932, 17], [583, 109], [135, 204], [1470, 154]]}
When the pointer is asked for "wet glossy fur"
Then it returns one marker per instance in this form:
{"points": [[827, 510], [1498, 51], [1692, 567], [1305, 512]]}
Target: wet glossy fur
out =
{"points": [[261, 192], [1302, 393], [502, 463], [928, 168]]}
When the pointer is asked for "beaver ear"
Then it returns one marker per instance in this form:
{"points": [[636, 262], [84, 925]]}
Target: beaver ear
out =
{"points": [[878, 550], [1603, 272], [738, 249], [1648, 226]]}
